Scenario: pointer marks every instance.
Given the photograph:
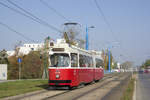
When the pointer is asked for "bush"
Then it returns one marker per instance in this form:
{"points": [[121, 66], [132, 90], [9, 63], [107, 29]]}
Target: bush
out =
{"points": [[32, 66]]}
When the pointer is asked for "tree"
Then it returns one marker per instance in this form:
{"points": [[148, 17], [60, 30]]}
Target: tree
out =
{"points": [[32, 65], [13, 70], [114, 66], [71, 34], [127, 65], [3, 57], [146, 64], [106, 59]]}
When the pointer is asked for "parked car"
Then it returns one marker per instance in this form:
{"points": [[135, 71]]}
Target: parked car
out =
{"points": [[146, 71], [115, 70], [141, 71]]}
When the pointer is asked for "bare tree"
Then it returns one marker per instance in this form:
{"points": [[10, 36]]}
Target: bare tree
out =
{"points": [[127, 65], [71, 34]]}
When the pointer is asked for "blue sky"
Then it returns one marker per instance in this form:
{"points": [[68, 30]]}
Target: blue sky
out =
{"points": [[129, 20]]}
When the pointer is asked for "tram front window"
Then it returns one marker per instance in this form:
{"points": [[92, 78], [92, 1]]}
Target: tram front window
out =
{"points": [[60, 60]]}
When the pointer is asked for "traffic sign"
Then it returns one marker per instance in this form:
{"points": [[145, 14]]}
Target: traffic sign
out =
{"points": [[19, 60]]}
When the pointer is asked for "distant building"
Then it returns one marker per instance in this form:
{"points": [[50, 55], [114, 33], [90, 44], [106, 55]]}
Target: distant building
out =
{"points": [[26, 48], [118, 65]]}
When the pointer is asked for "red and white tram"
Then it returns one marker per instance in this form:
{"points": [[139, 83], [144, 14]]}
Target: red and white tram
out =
{"points": [[72, 66]]}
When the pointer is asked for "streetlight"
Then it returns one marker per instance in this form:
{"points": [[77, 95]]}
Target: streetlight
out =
{"points": [[87, 37], [109, 56]]}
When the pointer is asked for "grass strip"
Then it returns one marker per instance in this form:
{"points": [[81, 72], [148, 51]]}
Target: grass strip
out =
{"points": [[128, 93], [21, 86]]}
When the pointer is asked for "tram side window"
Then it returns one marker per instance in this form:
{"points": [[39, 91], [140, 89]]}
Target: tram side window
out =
{"points": [[88, 61], [81, 61], [85, 61], [102, 63], [99, 63], [91, 62], [74, 60]]}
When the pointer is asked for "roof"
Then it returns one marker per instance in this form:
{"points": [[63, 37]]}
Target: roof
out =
{"points": [[61, 43]]}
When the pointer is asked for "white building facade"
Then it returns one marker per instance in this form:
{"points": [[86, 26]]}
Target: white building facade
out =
{"points": [[26, 48]]}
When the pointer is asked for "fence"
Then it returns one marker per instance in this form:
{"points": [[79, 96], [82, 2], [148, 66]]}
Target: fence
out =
{"points": [[3, 71]]}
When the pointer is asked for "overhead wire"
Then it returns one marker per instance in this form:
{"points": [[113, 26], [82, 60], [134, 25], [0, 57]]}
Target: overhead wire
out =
{"points": [[30, 16], [29, 13], [105, 19], [18, 33], [54, 10], [108, 24], [17, 11]]}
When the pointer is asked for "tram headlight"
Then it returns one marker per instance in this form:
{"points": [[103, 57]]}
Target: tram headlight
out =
{"points": [[57, 76]]}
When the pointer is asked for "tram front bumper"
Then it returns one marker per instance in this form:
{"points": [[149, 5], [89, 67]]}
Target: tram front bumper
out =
{"points": [[59, 82]]}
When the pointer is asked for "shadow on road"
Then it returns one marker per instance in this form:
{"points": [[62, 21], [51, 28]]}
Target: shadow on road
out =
{"points": [[47, 87]]}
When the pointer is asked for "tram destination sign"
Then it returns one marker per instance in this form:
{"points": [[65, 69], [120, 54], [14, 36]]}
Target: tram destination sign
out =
{"points": [[58, 49]]}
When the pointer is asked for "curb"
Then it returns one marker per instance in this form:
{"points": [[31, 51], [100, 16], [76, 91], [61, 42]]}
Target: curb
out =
{"points": [[134, 93]]}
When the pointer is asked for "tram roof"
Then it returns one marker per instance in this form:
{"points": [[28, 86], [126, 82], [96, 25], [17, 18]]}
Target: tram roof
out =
{"points": [[61, 43]]}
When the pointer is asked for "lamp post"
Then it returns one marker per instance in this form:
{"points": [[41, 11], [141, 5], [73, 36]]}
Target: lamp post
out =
{"points": [[87, 37], [109, 56]]}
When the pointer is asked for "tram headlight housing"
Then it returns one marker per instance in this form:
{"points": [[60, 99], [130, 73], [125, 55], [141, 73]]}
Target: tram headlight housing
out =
{"points": [[57, 76]]}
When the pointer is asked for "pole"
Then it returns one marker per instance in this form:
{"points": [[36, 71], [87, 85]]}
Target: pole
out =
{"points": [[19, 65], [46, 48], [105, 60], [45, 60], [87, 42], [109, 55], [19, 71]]}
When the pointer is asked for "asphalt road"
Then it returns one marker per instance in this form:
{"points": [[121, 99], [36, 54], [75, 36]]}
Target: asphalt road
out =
{"points": [[143, 87]]}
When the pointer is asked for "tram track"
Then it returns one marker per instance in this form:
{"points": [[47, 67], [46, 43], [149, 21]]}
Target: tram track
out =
{"points": [[102, 87], [52, 93], [80, 93]]}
